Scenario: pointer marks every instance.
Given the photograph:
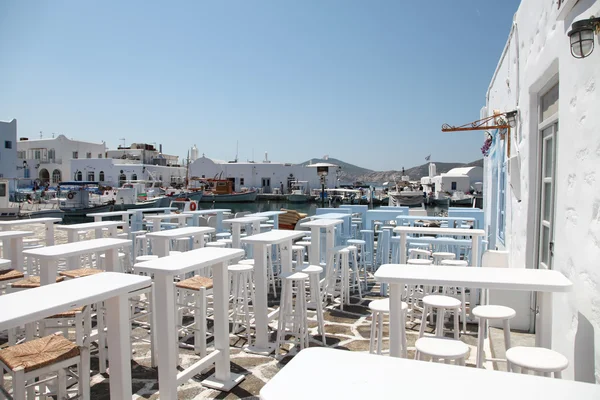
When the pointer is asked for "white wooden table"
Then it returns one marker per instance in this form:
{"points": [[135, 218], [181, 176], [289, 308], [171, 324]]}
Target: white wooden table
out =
{"points": [[236, 227], [164, 270], [352, 375], [542, 281], [29, 306], [97, 227], [158, 219], [47, 222], [12, 247], [98, 217], [260, 242], [49, 256], [345, 217], [136, 219], [161, 240], [314, 254], [269, 214], [473, 233], [218, 212]]}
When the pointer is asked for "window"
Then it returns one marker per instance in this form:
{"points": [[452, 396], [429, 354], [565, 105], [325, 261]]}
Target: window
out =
{"points": [[79, 176], [91, 176], [56, 176], [88, 155], [37, 154], [100, 155], [101, 176], [134, 177], [75, 155], [2, 189], [26, 173], [21, 155], [453, 186], [51, 154], [8, 144], [241, 181]]}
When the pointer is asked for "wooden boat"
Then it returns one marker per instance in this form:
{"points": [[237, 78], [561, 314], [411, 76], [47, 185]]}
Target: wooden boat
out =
{"points": [[221, 191], [79, 199], [298, 194]]}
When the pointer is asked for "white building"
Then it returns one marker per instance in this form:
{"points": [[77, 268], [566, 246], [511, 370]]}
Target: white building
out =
{"points": [[49, 159], [542, 182], [458, 179], [140, 161], [8, 149], [265, 175]]}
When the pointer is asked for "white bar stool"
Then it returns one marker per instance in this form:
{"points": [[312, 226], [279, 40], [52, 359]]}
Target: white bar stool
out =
{"points": [[379, 308], [443, 304], [419, 253], [360, 245], [192, 295], [438, 256], [242, 291], [314, 275], [441, 348], [216, 244], [298, 257], [463, 293], [292, 310], [492, 312], [353, 271], [542, 361]]}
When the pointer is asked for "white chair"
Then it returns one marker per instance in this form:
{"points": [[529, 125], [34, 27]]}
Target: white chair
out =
{"points": [[540, 360]]}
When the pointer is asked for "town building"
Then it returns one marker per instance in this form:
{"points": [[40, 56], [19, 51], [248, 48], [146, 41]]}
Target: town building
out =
{"points": [[49, 159], [541, 179], [266, 176], [461, 179], [8, 150]]}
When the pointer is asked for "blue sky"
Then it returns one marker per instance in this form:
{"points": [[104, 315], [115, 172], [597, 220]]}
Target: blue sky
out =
{"points": [[368, 82]]}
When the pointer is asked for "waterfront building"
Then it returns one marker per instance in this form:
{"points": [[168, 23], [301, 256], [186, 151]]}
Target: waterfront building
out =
{"points": [[8, 151], [458, 179], [140, 161], [266, 176], [49, 159], [541, 181]]}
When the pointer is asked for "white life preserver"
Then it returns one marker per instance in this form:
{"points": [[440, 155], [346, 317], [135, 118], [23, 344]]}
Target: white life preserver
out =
{"points": [[70, 196]]}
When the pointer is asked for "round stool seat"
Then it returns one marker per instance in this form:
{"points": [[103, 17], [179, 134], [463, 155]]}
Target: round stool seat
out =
{"points": [[444, 254], [441, 301], [267, 225], [240, 268], [420, 252], [494, 312], [455, 263], [226, 241], [215, 244], [223, 235], [351, 248], [356, 242], [249, 261], [294, 276], [395, 239], [145, 258], [312, 269], [418, 261], [537, 358], [303, 243], [442, 347], [297, 248], [383, 305]]}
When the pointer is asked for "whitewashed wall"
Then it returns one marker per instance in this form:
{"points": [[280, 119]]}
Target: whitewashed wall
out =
{"points": [[537, 55], [8, 157]]}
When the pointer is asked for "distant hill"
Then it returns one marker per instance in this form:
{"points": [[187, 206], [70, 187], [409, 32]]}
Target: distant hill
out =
{"points": [[352, 173]]}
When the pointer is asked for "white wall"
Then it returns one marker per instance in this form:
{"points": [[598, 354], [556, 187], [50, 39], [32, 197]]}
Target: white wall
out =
{"points": [[112, 170], [538, 55], [8, 156]]}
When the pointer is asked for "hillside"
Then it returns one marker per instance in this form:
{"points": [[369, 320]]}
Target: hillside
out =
{"points": [[352, 173]]}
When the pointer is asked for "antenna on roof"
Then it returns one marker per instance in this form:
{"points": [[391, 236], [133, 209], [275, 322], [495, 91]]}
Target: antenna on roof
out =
{"points": [[236, 150], [123, 139], [40, 134]]}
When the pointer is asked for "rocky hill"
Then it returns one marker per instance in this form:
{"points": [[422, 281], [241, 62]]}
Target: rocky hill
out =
{"points": [[352, 173]]}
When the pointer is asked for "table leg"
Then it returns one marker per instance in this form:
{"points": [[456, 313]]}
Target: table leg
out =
{"points": [[261, 319], [314, 255], [72, 236], [395, 319], [276, 221], [48, 271], [403, 250], [125, 219], [235, 235], [164, 307], [16, 253], [119, 347], [219, 222], [112, 261], [286, 256], [543, 326], [49, 233], [222, 379], [160, 247], [329, 240], [475, 251], [6, 253]]}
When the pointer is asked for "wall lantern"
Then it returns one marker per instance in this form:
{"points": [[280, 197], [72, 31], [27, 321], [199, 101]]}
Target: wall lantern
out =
{"points": [[582, 36], [511, 116]]}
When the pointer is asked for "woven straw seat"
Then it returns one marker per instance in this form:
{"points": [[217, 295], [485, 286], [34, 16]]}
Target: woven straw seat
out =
{"points": [[195, 283], [69, 314], [32, 282], [9, 274], [80, 273], [38, 353]]}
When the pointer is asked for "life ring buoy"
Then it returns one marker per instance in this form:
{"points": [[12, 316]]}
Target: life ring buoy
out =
{"points": [[192, 206], [70, 196]]}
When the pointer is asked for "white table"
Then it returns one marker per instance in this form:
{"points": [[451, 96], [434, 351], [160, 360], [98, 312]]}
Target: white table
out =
{"points": [[314, 255], [352, 375], [164, 270], [473, 233], [269, 214], [48, 222], [542, 281], [12, 246], [161, 239], [158, 219], [49, 256], [236, 226], [136, 219], [97, 227], [98, 217], [346, 217], [29, 306], [260, 243], [218, 212]]}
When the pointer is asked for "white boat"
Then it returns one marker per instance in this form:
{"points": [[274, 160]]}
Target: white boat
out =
{"points": [[184, 205], [410, 198], [299, 193]]}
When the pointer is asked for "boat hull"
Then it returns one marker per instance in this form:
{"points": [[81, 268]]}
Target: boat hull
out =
{"points": [[72, 215], [245, 197], [298, 198]]}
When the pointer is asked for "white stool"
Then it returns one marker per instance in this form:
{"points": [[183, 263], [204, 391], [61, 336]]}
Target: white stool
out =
{"points": [[419, 253], [145, 258], [298, 257], [8, 276], [337, 275], [492, 312], [216, 244], [292, 310], [379, 308], [442, 348], [353, 271], [248, 261], [419, 261], [223, 235], [242, 291], [360, 245], [438, 256], [314, 275], [192, 295], [442, 303], [538, 359], [463, 294], [228, 242]]}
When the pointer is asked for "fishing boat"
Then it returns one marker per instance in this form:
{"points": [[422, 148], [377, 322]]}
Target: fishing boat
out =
{"points": [[460, 199], [138, 194], [81, 198], [184, 204], [299, 193], [221, 191]]}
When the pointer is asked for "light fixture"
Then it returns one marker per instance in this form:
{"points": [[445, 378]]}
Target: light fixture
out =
{"points": [[511, 116], [582, 36]]}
